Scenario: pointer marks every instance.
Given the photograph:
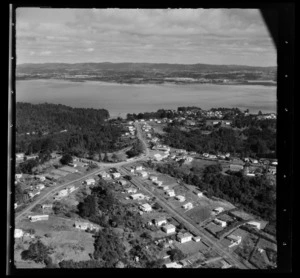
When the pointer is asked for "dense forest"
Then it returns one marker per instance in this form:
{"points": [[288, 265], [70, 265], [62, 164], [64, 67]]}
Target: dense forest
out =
{"points": [[257, 141], [78, 131], [254, 195]]}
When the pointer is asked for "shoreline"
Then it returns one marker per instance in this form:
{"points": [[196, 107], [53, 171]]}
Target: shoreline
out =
{"points": [[252, 83]]}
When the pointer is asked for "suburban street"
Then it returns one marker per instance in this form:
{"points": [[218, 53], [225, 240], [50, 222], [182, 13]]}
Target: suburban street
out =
{"points": [[218, 247]]}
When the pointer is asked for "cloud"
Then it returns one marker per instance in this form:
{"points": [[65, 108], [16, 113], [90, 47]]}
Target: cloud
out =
{"points": [[163, 35]]}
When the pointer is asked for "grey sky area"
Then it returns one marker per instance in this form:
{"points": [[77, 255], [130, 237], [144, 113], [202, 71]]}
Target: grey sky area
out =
{"points": [[185, 36]]}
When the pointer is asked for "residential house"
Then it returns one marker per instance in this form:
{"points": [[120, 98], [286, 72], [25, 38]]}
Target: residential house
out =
{"points": [[18, 233], [220, 222], [169, 228], [188, 206], [137, 196], [166, 187], [146, 207], [218, 210], [139, 168], [160, 221], [143, 174], [33, 193], [159, 183], [170, 192], [255, 224], [34, 218], [18, 176], [116, 175], [184, 237], [104, 175], [47, 206], [131, 190], [235, 240], [86, 225], [40, 186], [200, 194], [89, 182], [196, 238], [153, 178], [123, 182], [158, 157], [173, 265], [180, 198]]}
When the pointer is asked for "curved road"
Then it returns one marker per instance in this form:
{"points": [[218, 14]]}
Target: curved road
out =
{"points": [[97, 171]]}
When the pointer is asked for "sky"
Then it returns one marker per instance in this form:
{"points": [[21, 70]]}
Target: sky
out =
{"points": [[183, 36]]}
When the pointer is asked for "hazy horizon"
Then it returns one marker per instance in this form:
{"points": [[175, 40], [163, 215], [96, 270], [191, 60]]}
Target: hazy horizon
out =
{"points": [[172, 36], [128, 62]]}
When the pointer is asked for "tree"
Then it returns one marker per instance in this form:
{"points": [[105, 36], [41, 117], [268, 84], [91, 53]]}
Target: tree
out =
{"points": [[176, 254], [36, 252], [66, 159]]}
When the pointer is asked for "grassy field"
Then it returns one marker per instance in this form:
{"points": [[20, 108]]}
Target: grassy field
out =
{"points": [[191, 247]]}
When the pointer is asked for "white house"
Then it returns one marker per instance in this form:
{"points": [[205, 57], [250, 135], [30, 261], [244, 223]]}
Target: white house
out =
{"points": [[188, 159], [153, 178], [18, 176], [159, 183], [200, 194], [20, 156], [85, 225], [139, 168], [173, 265], [90, 182], [183, 238], [137, 196], [16, 205], [188, 206], [196, 238], [143, 174], [255, 224], [123, 182], [169, 228], [47, 206], [218, 210], [235, 240], [220, 222], [34, 218], [18, 233], [40, 186], [180, 198], [160, 221], [146, 207], [131, 190], [104, 175], [33, 193], [166, 187], [170, 192], [157, 157], [116, 175]]}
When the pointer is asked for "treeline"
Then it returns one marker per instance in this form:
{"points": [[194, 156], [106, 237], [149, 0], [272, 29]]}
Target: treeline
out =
{"points": [[49, 117], [254, 195], [86, 131], [253, 141], [159, 114]]}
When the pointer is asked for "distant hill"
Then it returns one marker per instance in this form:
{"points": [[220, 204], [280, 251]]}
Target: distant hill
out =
{"points": [[147, 72], [138, 66]]}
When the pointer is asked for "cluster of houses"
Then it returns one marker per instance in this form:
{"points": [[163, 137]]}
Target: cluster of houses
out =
{"points": [[212, 156], [169, 228], [271, 116]]}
